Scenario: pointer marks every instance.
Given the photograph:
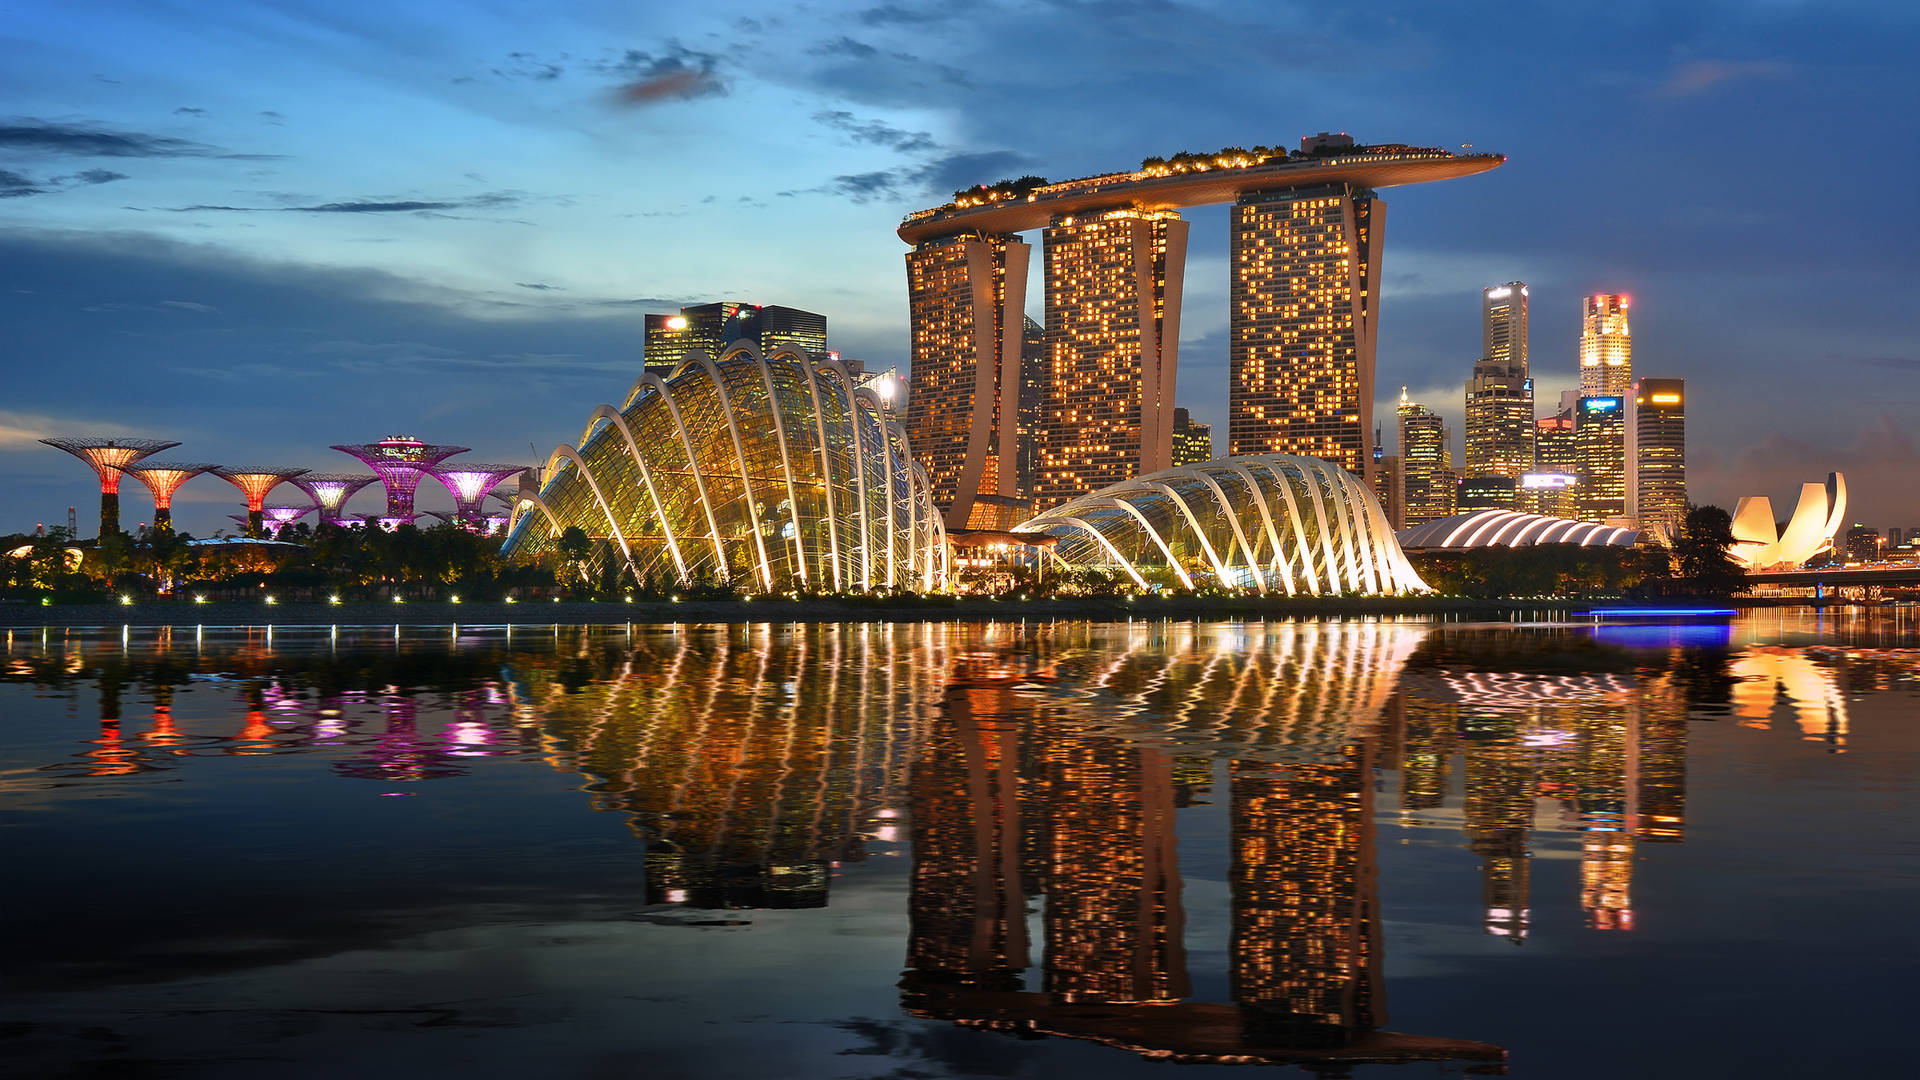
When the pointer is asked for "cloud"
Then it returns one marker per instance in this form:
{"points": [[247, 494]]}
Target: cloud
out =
{"points": [[188, 110], [675, 73], [934, 178], [270, 116], [82, 141], [874, 132], [847, 47], [540, 286], [13, 185], [189, 305], [92, 176], [1699, 76], [903, 15], [365, 206]]}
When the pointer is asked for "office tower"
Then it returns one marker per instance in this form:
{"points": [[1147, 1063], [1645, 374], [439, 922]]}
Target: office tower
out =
{"points": [[1303, 297], [714, 327], [1192, 440], [1606, 348], [1600, 448], [1113, 336], [1499, 403], [1387, 487], [1656, 484], [965, 295], [1427, 483], [1488, 492], [1035, 378]]}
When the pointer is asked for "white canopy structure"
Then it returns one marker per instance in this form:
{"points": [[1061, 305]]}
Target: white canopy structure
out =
{"points": [[1505, 528], [1815, 522]]}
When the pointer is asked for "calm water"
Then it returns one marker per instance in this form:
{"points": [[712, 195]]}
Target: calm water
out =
{"points": [[925, 851]]}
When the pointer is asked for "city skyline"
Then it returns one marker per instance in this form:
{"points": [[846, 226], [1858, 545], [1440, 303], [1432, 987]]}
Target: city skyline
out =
{"points": [[438, 221]]}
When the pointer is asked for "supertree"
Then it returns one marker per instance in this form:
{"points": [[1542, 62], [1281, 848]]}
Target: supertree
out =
{"points": [[469, 484], [400, 461], [163, 478], [254, 481], [330, 492], [108, 456], [275, 518]]}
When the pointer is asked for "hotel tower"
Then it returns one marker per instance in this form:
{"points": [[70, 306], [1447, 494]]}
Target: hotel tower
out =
{"points": [[1500, 428], [1606, 347]]}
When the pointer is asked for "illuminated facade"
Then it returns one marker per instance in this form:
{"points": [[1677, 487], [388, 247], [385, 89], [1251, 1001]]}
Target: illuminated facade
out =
{"points": [[1600, 449], [1505, 528], [109, 457], [1192, 440], [330, 492], [163, 478], [710, 328], [1427, 484], [1656, 484], [1036, 378], [1758, 542], [254, 482], [966, 295], [772, 472], [1550, 487], [1113, 283], [1606, 347], [1499, 403], [401, 462], [1269, 522], [1304, 296]]}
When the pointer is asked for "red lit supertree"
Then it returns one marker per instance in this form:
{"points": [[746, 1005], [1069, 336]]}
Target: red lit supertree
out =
{"points": [[163, 478], [108, 456], [400, 461], [470, 483], [330, 492], [254, 481]]}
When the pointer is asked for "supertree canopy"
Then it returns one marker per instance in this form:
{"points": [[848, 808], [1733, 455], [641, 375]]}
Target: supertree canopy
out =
{"points": [[274, 518], [163, 478], [108, 456], [330, 492], [400, 461], [254, 481], [470, 483]]}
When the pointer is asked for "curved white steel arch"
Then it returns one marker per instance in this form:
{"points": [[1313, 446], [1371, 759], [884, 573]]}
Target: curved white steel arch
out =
{"points": [[1259, 500], [693, 466], [1239, 534], [1281, 480], [1193, 522], [826, 456], [1125, 563], [593, 485], [743, 348], [706, 363], [859, 471], [613, 416]]}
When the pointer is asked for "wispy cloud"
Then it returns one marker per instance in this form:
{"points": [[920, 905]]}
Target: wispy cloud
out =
{"points": [[367, 206], [874, 132], [1700, 76], [81, 140]]}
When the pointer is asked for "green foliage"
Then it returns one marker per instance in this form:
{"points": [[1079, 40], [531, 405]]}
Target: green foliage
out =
{"points": [[1706, 566], [1545, 570], [1002, 189]]}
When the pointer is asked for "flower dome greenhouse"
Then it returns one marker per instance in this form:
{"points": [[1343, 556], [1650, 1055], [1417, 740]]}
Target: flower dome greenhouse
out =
{"points": [[1267, 522], [774, 471]]}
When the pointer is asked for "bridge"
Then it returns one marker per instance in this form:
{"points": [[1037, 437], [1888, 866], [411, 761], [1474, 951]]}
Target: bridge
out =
{"points": [[1839, 577]]}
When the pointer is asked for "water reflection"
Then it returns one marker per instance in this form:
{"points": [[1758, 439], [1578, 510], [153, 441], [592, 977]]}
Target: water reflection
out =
{"points": [[1038, 776]]}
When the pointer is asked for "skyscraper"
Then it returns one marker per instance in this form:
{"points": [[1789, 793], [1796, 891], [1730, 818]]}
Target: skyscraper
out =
{"points": [[1499, 404], [1303, 298], [1192, 441], [1606, 347], [1113, 336], [1600, 447], [1427, 486], [1035, 377], [713, 327], [1656, 483], [965, 295]]}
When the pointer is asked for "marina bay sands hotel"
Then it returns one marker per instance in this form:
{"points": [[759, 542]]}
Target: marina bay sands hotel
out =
{"points": [[1305, 265]]}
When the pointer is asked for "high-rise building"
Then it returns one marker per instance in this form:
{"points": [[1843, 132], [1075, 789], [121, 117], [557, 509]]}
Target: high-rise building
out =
{"points": [[1113, 282], [1656, 486], [714, 327], [1035, 378], [965, 295], [1606, 347], [1387, 487], [1499, 403], [1600, 442], [1427, 483], [1303, 298], [1192, 440]]}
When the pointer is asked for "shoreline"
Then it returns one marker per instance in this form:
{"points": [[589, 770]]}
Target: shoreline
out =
{"points": [[963, 609]]}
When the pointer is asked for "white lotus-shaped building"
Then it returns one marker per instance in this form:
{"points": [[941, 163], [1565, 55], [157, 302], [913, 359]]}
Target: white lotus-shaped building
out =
{"points": [[1265, 522], [775, 472], [1815, 522]]}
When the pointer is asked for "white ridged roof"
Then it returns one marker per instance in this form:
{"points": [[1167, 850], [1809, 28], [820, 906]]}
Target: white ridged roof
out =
{"points": [[1506, 528]]}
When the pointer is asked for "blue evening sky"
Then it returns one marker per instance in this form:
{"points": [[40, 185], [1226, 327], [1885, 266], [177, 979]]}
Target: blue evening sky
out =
{"points": [[262, 228]]}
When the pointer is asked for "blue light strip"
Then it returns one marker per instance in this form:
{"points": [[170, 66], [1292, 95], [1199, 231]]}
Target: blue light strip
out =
{"points": [[1661, 611]]}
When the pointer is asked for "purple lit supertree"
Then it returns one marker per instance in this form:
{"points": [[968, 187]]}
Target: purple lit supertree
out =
{"points": [[254, 481], [108, 456], [163, 478], [330, 492], [400, 461], [275, 518], [469, 484]]}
